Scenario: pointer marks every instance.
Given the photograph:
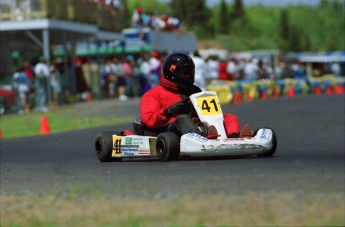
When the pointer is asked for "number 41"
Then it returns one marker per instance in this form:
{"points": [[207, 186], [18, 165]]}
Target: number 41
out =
{"points": [[206, 106]]}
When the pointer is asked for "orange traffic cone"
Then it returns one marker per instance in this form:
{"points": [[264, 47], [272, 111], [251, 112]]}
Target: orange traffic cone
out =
{"points": [[264, 95], [238, 98], [275, 93], [339, 89], [44, 125], [328, 90], [291, 92], [318, 90], [249, 97], [88, 96]]}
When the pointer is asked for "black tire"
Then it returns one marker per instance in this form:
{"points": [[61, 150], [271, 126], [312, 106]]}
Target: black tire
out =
{"points": [[104, 146], [271, 152], [168, 146]]}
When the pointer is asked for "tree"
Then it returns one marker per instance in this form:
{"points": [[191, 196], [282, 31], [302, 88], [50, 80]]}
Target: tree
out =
{"points": [[324, 4], [180, 9], [284, 29], [223, 17], [294, 40], [238, 10], [126, 14], [198, 12], [195, 14]]}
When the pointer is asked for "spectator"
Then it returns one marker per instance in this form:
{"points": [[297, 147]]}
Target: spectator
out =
{"points": [[28, 70], [173, 23], [137, 22], [335, 68], [21, 85], [55, 83], [231, 69], [251, 70], [155, 69], [136, 18], [80, 79], [298, 70], [120, 78], [278, 70], [222, 73], [108, 79], [135, 79], [157, 23], [42, 76], [145, 73], [129, 74], [212, 68], [270, 71], [200, 71]]}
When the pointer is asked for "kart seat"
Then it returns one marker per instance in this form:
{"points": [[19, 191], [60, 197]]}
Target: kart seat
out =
{"points": [[140, 129], [138, 126]]}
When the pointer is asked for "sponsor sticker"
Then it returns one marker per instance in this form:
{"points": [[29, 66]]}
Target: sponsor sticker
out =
{"points": [[126, 148], [197, 137], [128, 141], [266, 134], [138, 140], [234, 139]]}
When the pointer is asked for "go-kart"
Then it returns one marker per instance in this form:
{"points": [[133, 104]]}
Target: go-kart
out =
{"points": [[167, 146]]}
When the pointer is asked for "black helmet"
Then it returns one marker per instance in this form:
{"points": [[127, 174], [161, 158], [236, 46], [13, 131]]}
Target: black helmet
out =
{"points": [[179, 68]]}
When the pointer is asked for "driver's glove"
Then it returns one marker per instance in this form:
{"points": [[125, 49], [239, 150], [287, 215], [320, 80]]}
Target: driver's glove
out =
{"points": [[176, 109]]}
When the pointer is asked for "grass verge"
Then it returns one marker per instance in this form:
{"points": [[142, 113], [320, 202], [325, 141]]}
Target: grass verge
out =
{"points": [[59, 121], [247, 209]]}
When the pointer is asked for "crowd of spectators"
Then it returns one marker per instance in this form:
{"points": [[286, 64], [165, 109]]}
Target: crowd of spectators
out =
{"points": [[33, 83], [155, 21], [143, 72], [112, 4], [130, 76]]}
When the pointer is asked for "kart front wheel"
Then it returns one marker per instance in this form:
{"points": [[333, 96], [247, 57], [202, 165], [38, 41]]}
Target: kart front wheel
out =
{"points": [[167, 146], [270, 152], [104, 146]]}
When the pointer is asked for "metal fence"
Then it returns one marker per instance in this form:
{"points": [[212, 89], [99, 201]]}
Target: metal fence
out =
{"points": [[84, 11]]}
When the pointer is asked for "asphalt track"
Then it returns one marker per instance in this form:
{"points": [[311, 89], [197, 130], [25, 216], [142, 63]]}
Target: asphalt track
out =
{"points": [[310, 157]]}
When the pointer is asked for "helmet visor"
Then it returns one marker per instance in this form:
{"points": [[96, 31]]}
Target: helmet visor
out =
{"points": [[185, 74]]}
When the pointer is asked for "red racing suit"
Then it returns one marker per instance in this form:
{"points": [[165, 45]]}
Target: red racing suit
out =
{"points": [[160, 97]]}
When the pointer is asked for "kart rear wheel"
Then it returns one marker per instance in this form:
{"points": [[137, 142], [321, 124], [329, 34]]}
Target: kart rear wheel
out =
{"points": [[104, 146], [167, 146], [274, 144]]}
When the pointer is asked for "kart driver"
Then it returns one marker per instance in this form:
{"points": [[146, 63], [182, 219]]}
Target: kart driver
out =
{"points": [[164, 107]]}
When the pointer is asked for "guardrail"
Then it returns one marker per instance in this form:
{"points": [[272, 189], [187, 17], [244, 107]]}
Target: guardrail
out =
{"points": [[84, 11]]}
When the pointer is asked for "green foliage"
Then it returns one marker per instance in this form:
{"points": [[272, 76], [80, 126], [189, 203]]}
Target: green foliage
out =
{"points": [[239, 28], [194, 14], [223, 18], [154, 6], [298, 28], [180, 9], [238, 10], [127, 13]]}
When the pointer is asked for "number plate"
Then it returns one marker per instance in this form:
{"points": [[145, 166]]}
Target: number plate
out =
{"points": [[116, 146], [208, 105]]}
